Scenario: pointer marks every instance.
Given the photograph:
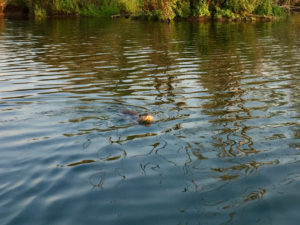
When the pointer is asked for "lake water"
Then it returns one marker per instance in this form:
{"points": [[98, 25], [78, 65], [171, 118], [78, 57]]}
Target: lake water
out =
{"points": [[224, 147]]}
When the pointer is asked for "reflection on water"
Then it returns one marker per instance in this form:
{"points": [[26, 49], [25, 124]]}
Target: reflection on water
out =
{"points": [[224, 147]]}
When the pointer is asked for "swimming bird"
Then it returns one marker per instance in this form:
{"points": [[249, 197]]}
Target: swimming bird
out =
{"points": [[145, 118]]}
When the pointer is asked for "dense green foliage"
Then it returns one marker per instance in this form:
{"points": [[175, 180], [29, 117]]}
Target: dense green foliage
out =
{"points": [[160, 9]]}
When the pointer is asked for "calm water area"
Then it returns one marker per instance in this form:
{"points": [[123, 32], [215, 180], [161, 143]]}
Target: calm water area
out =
{"points": [[224, 148]]}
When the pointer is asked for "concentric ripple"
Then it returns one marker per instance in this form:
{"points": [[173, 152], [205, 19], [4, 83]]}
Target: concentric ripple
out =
{"points": [[224, 147]]}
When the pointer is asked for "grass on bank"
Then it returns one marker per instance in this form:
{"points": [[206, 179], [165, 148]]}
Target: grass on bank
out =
{"points": [[154, 9]]}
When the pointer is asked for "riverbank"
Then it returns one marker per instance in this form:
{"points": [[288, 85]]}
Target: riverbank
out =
{"points": [[165, 10]]}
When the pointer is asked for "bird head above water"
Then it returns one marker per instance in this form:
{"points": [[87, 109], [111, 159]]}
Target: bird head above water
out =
{"points": [[146, 119]]}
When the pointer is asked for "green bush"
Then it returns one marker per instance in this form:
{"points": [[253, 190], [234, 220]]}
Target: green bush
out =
{"points": [[109, 8], [130, 6], [167, 9], [90, 10], [264, 8], [277, 11], [160, 9], [201, 8], [249, 6], [183, 9], [234, 5], [39, 12], [65, 6], [225, 13]]}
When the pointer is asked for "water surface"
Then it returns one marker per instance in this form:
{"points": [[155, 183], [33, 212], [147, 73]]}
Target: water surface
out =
{"points": [[224, 148]]}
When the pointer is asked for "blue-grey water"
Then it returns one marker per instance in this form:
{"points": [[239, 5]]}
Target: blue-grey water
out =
{"points": [[224, 147]]}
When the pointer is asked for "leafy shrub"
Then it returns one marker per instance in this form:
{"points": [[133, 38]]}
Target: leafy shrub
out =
{"points": [[248, 6], [109, 8], [39, 11], [167, 9], [130, 6], [161, 9], [277, 11], [234, 5], [227, 13], [264, 8], [65, 6], [183, 9], [90, 10], [201, 8]]}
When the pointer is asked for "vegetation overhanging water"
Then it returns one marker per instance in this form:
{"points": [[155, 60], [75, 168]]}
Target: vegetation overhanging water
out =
{"points": [[158, 9]]}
